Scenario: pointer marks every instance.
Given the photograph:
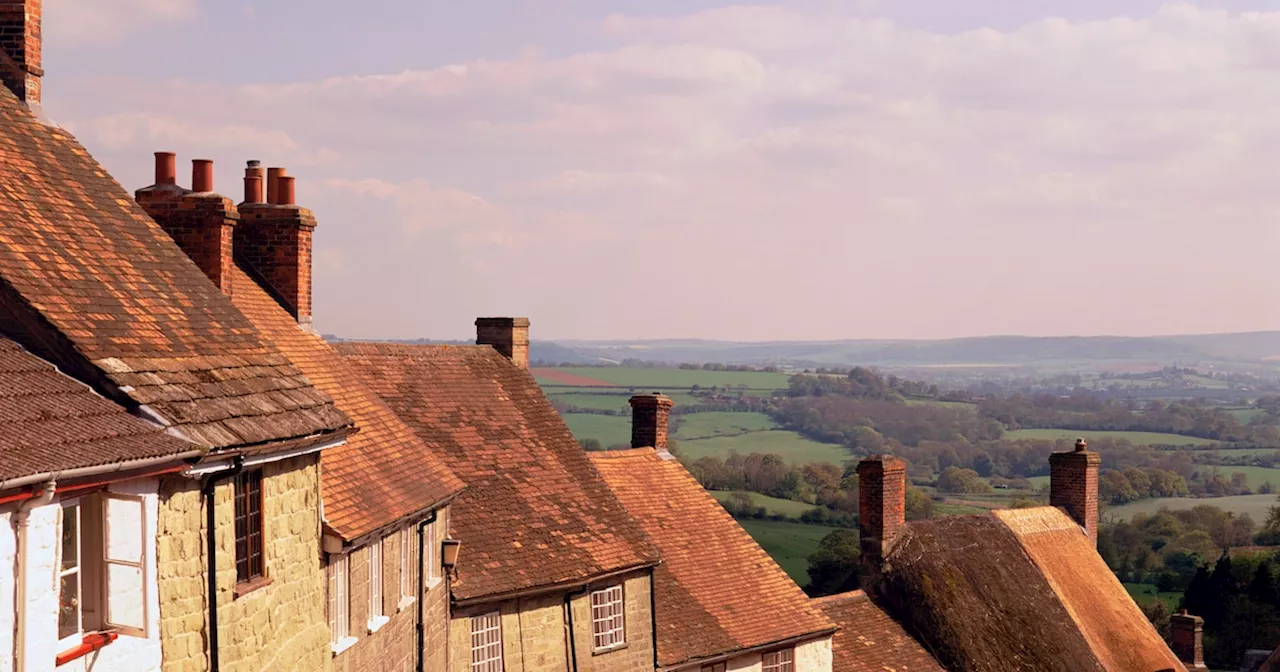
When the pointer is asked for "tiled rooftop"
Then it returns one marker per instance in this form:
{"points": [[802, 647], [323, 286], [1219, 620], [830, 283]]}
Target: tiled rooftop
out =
{"points": [[869, 640]]}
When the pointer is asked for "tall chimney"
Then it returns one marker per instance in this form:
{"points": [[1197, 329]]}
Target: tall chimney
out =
{"points": [[882, 506], [253, 179], [200, 221], [274, 238], [20, 49], [1073, 485], [650, 414], [1188, 644], [508, 335]]}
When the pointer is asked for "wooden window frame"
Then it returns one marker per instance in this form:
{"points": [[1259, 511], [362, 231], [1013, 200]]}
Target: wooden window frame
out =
{"points": [[250, 558], [785, 662], [606, 635], [376, 560], [339, 603], [486, 663], [140, 565], [72, 639], [408, 542]]}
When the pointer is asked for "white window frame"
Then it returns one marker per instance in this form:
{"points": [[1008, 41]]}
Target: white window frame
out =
{"points": [[407, 543], [377, 618], [140, 564], [486, 642], [432, 568], [340, 604], [715, 667], [608, 618], [74, 638], [782, 660], [94, 564]]}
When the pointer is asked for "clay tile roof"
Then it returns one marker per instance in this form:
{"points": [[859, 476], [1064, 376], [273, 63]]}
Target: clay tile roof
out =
{"points": [[1013, 592], [869, 640], [90, 282], [52, 422], [384, 472], [716, 590], [535, 514]]}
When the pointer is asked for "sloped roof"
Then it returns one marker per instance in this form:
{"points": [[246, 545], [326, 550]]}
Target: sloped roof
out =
{"points": [[535, 514], [869, 640], [716, 590], [384, 472], [1020, 590], [90, 282], [50, 422]]}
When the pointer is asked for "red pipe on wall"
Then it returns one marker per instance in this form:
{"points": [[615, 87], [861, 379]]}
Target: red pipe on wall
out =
{"points": [[91, 642], [18, 497]]}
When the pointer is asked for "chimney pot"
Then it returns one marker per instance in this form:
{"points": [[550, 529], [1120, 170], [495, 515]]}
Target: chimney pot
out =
{"points": [[882, 506], [252, 163], [650, 417], [1081, 444], [507, 335], [1073, 485], [273, 187], [1187, 635], [252, 189], [284, 189], [166, 168], [201, 175]]}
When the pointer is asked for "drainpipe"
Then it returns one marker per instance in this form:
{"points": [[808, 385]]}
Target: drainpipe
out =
{"points": [[19, 521], [422, 526], [653, 612], [568, 608], [207, 489]]}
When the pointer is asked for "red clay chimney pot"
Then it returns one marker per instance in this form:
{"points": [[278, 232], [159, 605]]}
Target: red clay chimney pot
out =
{"points": [[273, 191], [285, 187], [166, 168], [252, 189], [201, 175]]}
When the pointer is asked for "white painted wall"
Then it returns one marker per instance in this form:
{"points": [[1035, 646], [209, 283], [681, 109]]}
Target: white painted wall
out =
{"points": [[811, 656], [8, 583], [39, 618]]}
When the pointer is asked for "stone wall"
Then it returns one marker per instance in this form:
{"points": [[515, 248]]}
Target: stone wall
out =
{"points": [[533, 631], [279, 626]]}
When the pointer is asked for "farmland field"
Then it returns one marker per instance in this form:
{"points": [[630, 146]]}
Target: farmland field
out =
{"points": [[790, 446], [1145, 592], [1254, 505], [784, 507], [659, 378], [704, 425], [609, 430], [790, 544], [1256, 475], [1137, 438]]}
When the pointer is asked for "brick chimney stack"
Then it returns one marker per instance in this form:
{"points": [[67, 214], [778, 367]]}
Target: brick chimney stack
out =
{"points": [[199, 220], [1188, 645], [650, 414], [274, 239], [882, 506], [20, 49], [1073, 485], [508, 335]]}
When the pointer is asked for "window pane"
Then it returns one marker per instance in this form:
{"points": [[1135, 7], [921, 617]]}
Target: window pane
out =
{"points": [[69, 606], [125, 596], [71, 536], [124, 529]]}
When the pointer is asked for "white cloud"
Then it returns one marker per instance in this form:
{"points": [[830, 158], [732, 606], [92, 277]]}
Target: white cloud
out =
{"points": [[846, 175], [99, 22]]}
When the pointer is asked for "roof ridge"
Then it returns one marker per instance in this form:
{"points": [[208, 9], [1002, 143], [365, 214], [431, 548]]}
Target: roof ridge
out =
{"points": [[620, 453], [857, 594]]}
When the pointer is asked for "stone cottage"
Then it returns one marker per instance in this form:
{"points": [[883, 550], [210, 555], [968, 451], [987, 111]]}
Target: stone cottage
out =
{"points": [[555, 574]]}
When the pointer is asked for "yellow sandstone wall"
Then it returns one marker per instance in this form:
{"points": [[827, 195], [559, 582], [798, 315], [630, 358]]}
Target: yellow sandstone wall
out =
{"points": [[281, 626]]}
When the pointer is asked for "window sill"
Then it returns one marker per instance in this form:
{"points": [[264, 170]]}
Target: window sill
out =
{"points": [[246, 587], [609, 649], [90, 643], [343, 644], [405, 602], [376, 623]]}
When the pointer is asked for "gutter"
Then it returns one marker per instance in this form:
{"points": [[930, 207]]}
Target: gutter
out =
{"points": [[211, 570], [79, 472], [761, 648]]}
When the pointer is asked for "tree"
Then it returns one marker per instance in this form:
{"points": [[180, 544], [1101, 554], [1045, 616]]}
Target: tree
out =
{"points": [[1157, 612], [918, 504], [957, 480], [833, 568], [591, 444]]}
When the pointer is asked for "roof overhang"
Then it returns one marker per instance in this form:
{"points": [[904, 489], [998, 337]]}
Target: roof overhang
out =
{"points": [[760, 648], [552, 587]]}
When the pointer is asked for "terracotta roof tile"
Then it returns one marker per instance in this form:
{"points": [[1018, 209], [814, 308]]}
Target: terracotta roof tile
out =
{"points": [[716, 590], [90, 282], [52, 422], [870, 640], [535, 513], [384, 472]]}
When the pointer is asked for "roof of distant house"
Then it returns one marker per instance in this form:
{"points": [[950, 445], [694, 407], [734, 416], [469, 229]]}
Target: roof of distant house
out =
{"points": [[91, 283], [869, 640], [716, 591], [53, 423], [384, 473], [1019, 589], [536, 514]]}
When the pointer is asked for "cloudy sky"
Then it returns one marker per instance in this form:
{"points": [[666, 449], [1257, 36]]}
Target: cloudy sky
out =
{"points": [[688, 168]]}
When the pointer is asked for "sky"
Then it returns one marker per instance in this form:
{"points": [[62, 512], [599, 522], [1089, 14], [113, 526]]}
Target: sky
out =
{"points": [[804, 170]]}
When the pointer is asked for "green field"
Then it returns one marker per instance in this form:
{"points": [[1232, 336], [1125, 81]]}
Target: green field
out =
{"points": [[1256, 475], [605, 402], [773, 505], [790, 544], [1239, 452], [790, 446], [677, 378], [1137, 438], [609, 430], [1246, 414], [703, 425], [1254, 505], [1145, 592]]}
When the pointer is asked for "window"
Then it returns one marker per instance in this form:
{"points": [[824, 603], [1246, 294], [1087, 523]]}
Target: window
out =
{"points": [[717, 667], [376, 619], [101, 565], [486, 642], [250, 563], [780, 661], [339, 603], [433, 552], [407, 543], [607, 628]]}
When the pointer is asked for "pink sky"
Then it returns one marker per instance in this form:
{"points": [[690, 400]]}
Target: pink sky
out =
{"points": [[791, 171]]}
